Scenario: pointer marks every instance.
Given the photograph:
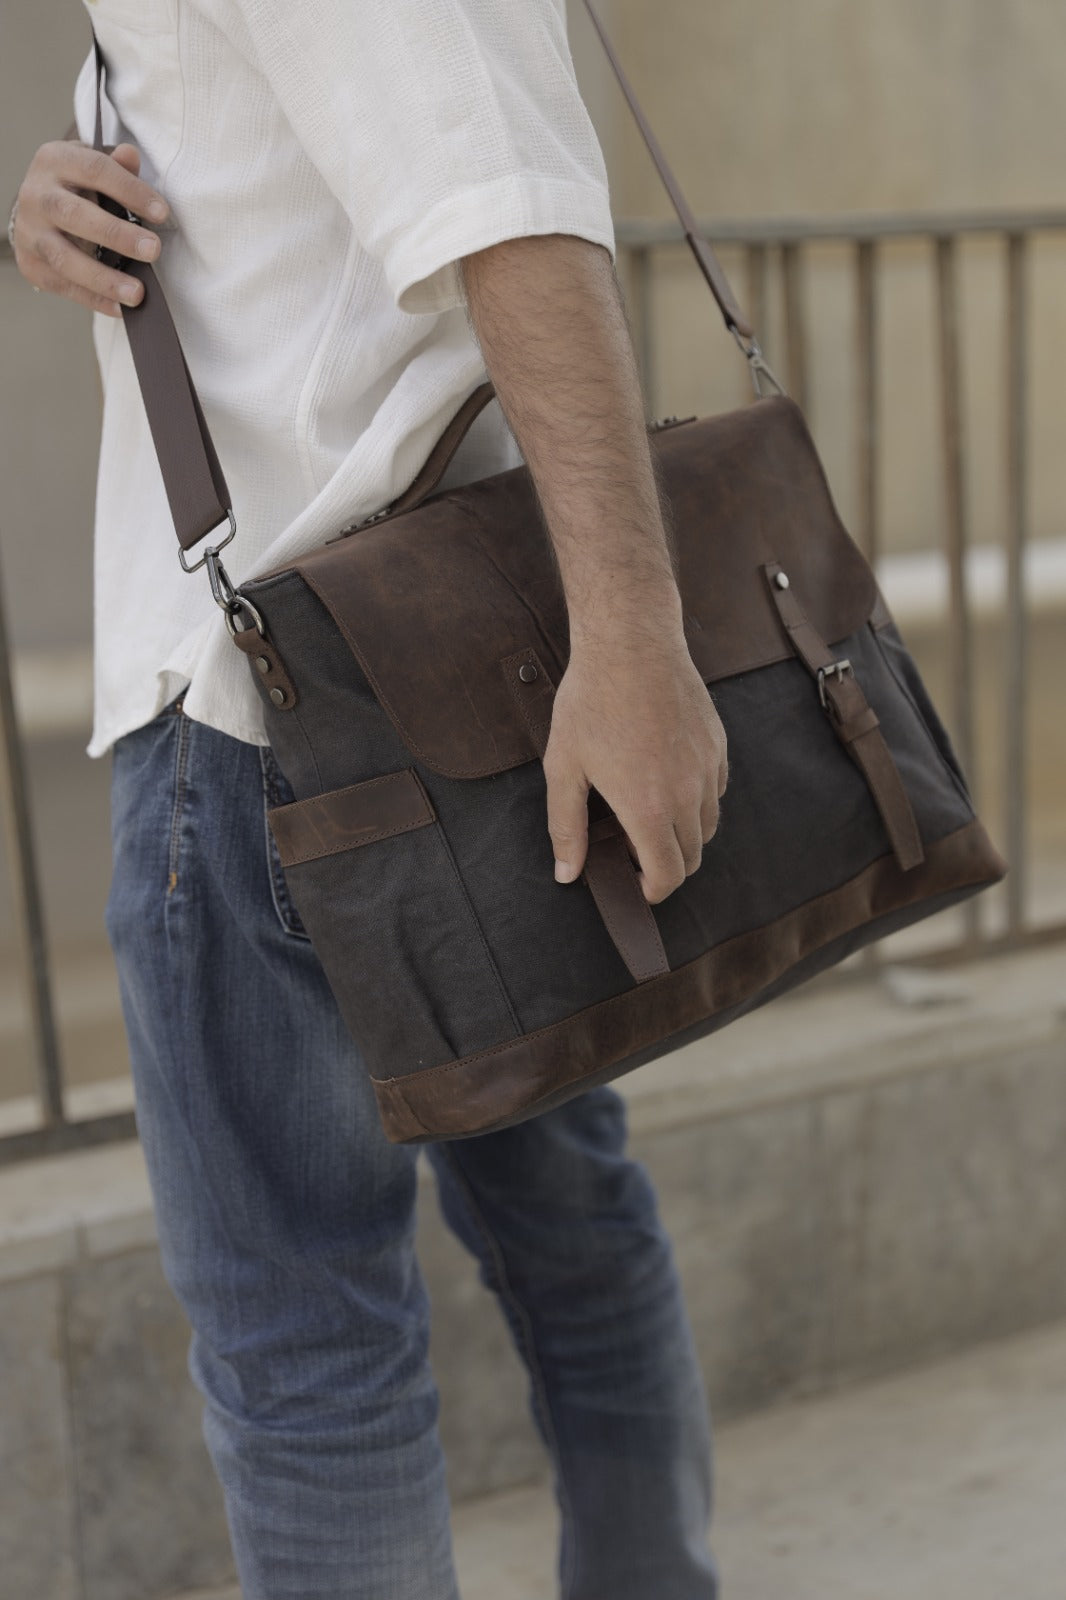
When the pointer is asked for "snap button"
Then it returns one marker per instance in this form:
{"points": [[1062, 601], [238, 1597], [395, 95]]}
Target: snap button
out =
{"points": [[781, 579], [527, 672], [262, 664], [278, 696]]}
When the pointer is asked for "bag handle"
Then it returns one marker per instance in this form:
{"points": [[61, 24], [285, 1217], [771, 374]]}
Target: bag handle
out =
{"points": [[196, 487]]}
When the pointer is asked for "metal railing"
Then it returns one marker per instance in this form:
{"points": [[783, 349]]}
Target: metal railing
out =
{"points": [[770, 251]]}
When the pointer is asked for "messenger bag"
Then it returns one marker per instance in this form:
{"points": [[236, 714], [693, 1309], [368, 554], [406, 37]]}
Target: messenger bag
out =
{"points": [[407, 671]]}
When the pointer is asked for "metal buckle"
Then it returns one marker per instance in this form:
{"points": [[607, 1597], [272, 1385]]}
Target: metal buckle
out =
{"points": [[212, 550], [758, 366], [835, 669]]}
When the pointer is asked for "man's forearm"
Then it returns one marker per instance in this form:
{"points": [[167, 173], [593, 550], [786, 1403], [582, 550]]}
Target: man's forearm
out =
{"points": [[548, 316]]}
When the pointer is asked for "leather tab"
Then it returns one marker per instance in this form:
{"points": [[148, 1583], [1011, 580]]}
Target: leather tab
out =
{"points": [[534, 693], [627, 916], [852, 718], [268, 667], [346, 819], [609, 873]]}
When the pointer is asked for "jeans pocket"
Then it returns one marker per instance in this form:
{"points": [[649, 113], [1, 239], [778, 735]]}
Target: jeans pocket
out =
{"points": [[277, 792]]}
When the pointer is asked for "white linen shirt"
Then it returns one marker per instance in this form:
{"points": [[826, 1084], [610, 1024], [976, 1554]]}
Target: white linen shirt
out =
{"points": [[327, 164]]}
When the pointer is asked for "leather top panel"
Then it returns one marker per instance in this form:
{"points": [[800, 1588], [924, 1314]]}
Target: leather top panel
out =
{"points": [[432, 601]]}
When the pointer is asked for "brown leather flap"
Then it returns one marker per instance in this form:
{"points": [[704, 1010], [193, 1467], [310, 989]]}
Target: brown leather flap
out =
{"points": [[432, 600]]}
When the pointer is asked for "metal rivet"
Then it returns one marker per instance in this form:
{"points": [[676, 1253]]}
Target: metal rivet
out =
{"points": [[527, 672], [278, 696], [262, 664], [781, 579]]}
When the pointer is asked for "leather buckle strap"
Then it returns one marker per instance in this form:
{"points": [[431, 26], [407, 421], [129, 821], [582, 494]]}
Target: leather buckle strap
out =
{"points": [[852, 718]]}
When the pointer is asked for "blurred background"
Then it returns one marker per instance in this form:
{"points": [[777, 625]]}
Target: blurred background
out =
{"points": [[885, 186]]}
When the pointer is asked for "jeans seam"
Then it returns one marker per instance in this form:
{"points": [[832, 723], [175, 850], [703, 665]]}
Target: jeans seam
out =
{"points": [[286, 912], [528, 1345], [181, 758]]}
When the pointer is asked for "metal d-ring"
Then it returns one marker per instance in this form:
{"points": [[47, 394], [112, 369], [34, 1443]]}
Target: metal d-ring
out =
{"points": [[212, 550], [244, 608]]}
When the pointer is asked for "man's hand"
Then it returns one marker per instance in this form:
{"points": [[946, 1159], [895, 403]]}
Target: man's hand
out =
{"points": [[632, 717], [638, 725], [58, 223]]}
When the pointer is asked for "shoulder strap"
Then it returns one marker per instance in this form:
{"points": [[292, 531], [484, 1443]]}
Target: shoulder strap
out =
{"points": [[195, 485]]}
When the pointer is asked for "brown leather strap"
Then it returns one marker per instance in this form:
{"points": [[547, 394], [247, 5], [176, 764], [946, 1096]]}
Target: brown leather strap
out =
{"points": [[192, 474], [853, 719], [701, 248], [609, 873], [627, 916], [195, 485], [439, 458]]}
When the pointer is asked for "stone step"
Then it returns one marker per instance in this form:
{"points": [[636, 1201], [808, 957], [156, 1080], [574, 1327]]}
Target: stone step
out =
{"points": [[865, 1176], [941, 1484]]}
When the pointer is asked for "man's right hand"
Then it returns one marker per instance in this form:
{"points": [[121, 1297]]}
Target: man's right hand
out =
{"points": [[58, 223]]}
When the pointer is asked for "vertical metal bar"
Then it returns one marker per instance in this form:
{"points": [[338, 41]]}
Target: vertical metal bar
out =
{"points": [[795, 324], [867, 392], [640, 311], [960, 630], [1015, 643], [867, 436], [14, 803]]}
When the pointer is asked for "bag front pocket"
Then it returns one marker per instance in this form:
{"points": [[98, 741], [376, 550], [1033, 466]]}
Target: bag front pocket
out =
{"points": [[378, 891]]}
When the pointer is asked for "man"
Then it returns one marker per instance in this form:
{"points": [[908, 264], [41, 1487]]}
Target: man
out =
{"points": [[357, 207]]}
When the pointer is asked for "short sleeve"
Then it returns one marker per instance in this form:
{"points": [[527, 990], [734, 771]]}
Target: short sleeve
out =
{"points": [[442, 126]]}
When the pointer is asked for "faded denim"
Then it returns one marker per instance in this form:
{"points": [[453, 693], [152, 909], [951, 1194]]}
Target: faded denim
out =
{"points": [[286, 1225]]}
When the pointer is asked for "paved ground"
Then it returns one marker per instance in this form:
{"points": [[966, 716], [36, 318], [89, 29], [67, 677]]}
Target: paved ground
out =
{"points": [[943, 1484]]}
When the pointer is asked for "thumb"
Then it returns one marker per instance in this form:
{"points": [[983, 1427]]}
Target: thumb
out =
{"points": [[568, 821]]}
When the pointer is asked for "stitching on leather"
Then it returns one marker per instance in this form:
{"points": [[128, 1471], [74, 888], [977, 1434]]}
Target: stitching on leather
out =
{"points": [[358, 844], [366, 783]]}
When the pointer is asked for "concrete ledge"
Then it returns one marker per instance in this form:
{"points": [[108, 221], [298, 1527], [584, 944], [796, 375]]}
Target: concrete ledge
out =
{"points": [[863, 1176]]}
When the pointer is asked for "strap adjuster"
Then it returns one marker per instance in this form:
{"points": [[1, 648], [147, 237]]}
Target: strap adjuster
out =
{"points": [[835, 669]]}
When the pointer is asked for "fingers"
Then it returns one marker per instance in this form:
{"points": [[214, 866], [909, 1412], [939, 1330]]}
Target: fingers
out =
{"points": [[64, 268], [689, 835], [113, 173], [58, 224], [73, 291], [660, 855], [82, 219], [128, 156], [568, 819]]}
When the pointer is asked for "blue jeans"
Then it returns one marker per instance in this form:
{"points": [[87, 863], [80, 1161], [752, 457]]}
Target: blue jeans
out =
{"points": [[286, 1226]]}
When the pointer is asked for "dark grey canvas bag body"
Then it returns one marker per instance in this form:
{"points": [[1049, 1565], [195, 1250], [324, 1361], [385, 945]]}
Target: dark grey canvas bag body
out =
{"points": [[407, 671]]}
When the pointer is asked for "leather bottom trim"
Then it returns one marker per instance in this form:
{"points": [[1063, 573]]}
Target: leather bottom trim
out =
{"points": [[503, 1085]]}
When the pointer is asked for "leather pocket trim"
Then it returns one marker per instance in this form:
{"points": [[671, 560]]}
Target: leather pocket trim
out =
{"points": [[347, 819]]}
